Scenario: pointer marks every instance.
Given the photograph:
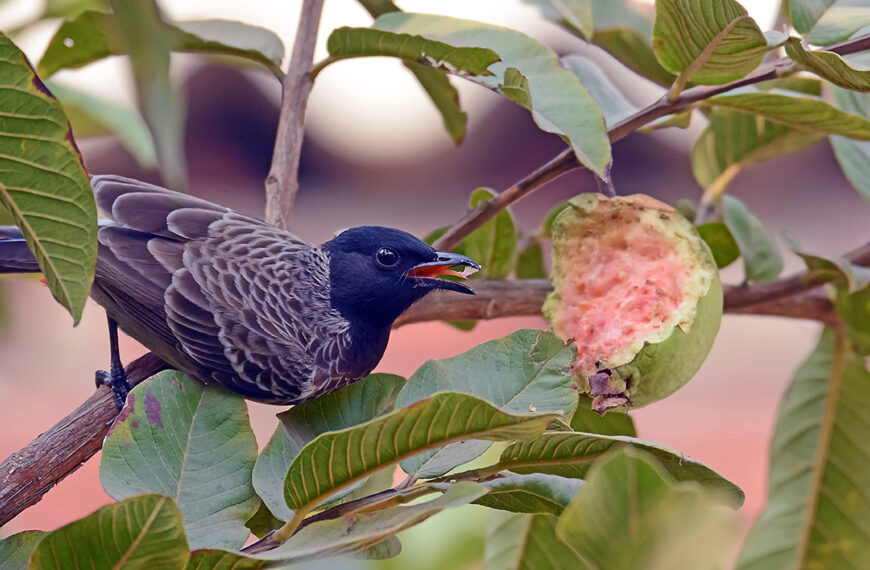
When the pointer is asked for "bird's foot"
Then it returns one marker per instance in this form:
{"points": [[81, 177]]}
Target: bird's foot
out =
{"points": [[116, 379]]}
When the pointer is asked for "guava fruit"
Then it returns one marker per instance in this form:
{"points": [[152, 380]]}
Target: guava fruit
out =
{"points": [[637, 291]]}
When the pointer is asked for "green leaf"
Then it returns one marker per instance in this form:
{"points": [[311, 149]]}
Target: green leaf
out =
{"points": [[722, 244], [533, 372], [612, 423], [802, 113], [853, 277], [559, 103], [43, 183], [335, 460], [798, 83], [825, 22], [574, 15], [818, 505], [189, 442], [762, 262], [362, 42], [92, 116], [147, 43], [829, 65], [347, 407], [15, 550], [532, 493], [734, 140], [631, 514], [68, 8], [263, 522], [445, 97], [528, 542], [853, 156], [208, 559], [570, 454], [680, 120], [623, 28], [139, 532], [378, 7], [494, 244], [707, 41], [854, 309], [358, 531], [613, 103], [530, 262], [92, 36], [384, 550]]}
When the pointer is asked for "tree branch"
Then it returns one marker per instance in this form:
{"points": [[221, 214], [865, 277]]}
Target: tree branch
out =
{"points": [[26, 475], [566, 161], [283, 180]]}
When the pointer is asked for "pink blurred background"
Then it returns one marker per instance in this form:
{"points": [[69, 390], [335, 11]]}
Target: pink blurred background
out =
{"points": [[404, 173]]}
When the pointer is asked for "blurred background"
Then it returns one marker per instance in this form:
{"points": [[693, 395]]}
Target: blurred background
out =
{"points": [[376, 153]]}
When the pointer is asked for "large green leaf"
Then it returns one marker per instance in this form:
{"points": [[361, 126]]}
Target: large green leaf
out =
{"points": [[570, 454], [529, 370], [707, 41], [189, 442], [559, 102], [530, 261], [818, 505], [530, 493], [829, 65], [15, 550], [337, 459], [825, 22], [528, 542], [43, 183], [141, 532], [359, 531], [93, 116], [351, 534], [734, 140], [147, 42], [853, 156], [803, 113], [762, 262], [363, 42], [92, 36], [631, 514], [344, 408]]}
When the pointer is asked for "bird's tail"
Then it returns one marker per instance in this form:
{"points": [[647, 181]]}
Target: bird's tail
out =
{"points": [[14, 255]]}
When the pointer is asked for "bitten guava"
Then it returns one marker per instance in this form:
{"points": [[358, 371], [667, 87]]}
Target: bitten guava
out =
{"points": [[637, 291]]}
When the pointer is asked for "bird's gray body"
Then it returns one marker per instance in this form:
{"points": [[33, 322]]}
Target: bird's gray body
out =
{"points": [[218, 295]]}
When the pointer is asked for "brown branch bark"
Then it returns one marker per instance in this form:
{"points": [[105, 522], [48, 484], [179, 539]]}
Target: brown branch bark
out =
{"points": [[565, 161], [282, 183], [26, 475]]}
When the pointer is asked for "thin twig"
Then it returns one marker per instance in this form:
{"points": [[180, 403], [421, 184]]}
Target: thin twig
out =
{"points": [[566, 160], [282, 182]]}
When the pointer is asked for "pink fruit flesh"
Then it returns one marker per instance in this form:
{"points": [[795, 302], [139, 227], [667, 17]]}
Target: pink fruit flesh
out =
{"points": [[621, 290]]}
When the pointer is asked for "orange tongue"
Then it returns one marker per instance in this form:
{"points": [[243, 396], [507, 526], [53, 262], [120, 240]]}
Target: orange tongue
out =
{"points": [[434, 271]]}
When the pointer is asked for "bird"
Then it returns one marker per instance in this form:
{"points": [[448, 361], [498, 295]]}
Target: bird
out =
{"points": [[231, 300]]}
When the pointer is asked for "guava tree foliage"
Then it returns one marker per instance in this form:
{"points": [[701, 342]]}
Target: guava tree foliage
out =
{"points": [[567, 488]]}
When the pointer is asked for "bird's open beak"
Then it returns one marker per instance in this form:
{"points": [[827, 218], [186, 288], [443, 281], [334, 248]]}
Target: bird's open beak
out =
{"points": [[426, 274]]}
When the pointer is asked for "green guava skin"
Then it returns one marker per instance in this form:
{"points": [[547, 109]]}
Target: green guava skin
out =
{"points": [[660, 368]]}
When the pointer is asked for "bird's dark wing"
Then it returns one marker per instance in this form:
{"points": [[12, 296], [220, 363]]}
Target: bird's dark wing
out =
{"points": [[245, 304]]}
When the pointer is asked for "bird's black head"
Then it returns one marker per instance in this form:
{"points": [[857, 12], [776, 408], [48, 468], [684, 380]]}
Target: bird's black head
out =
{"points": [[376, 273]]}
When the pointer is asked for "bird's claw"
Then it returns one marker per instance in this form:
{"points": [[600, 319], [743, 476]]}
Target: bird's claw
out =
{"points": [[116, 379]]}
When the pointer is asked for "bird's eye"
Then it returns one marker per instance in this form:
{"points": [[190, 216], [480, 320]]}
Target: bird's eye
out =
{"points": [[387, 257]]}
